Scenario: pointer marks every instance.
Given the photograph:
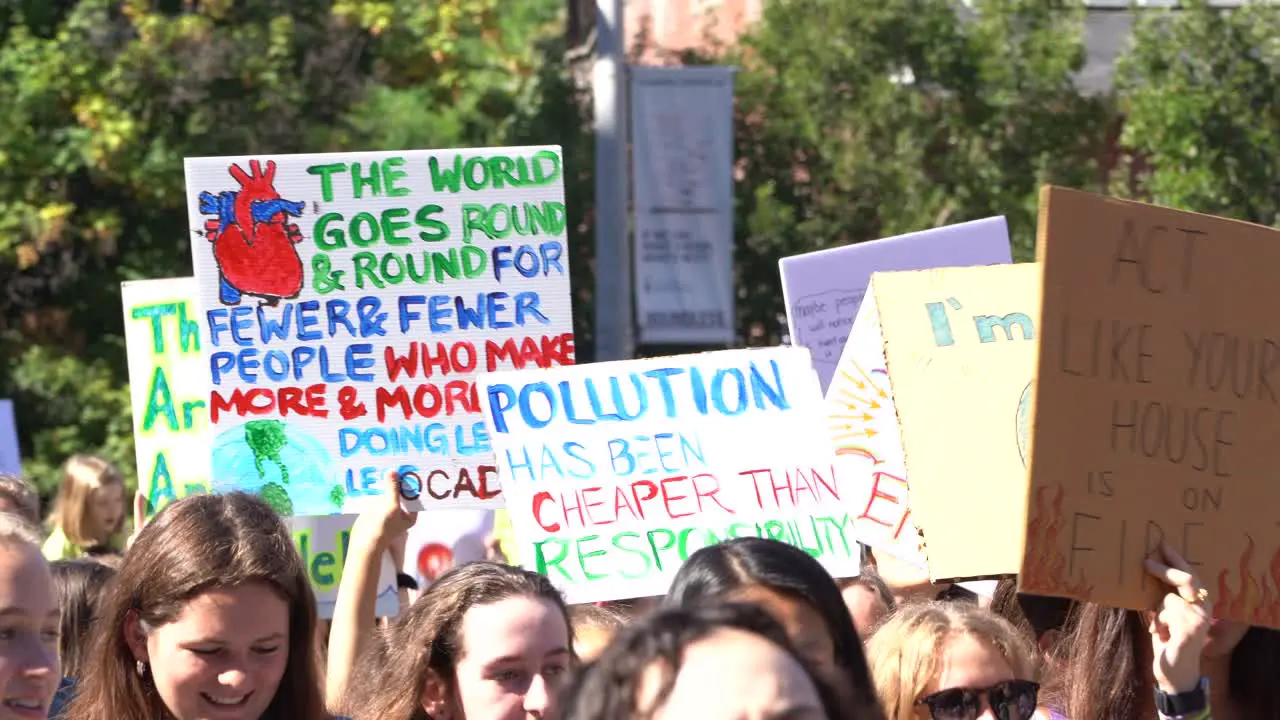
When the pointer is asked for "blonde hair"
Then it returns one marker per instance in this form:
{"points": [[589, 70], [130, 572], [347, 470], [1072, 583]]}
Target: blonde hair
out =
{"points": [[907, 651], [82, 475]]}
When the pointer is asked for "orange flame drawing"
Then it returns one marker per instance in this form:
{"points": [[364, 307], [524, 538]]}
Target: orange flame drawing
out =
{"points": [[1253, 601], [1044, 568]]}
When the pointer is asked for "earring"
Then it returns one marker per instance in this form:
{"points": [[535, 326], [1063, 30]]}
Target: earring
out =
{"points": [[141, 667]]}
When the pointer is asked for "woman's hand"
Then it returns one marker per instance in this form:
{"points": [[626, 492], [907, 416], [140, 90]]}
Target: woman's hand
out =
{"points": [[1180, 628], [383, 522]]}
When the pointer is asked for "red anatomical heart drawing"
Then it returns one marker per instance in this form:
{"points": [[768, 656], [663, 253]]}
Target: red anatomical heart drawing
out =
{"points": [[253, 240]]}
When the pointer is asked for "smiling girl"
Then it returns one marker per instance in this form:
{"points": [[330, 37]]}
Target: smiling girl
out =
{"points": [[29, 668], [211, 618]]}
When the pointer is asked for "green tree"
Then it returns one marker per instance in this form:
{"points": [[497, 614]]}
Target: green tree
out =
{"points": [[103, 100], [1201, 92], [859, 119]]}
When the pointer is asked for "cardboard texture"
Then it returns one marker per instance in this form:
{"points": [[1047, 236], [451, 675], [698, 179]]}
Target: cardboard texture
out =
{"points": [[959, 346], [1157, 406], [824, 290]]}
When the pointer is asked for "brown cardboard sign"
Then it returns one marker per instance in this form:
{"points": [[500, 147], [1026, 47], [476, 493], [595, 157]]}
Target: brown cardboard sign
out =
{"points": [[1157, 407], [960, 349]]}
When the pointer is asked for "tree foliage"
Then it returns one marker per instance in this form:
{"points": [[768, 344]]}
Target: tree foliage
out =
{"points": [[855, 119], [859, 120], [1201, 90], [104, 98]]}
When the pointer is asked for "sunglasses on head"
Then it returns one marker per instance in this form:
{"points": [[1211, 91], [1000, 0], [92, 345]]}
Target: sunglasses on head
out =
{"points": [[1009, 700]]}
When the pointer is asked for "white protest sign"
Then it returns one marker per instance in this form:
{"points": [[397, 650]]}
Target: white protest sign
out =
{"points": [[323, 541], [349, 301], [168, 387], [616, 472]]}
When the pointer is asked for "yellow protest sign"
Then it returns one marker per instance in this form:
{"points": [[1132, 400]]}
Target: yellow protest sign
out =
{"points": [[960, 349], [168, 385]]}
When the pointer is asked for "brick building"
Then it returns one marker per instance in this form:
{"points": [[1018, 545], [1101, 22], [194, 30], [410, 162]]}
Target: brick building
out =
{"points": [[675, 25]]}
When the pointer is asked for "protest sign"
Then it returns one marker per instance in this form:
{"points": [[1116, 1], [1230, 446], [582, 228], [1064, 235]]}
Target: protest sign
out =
{"points": [[10, 456], [323, 542], [863, 429], [616, 472], [168, 387], [960, 350], [823, 290], [350, 299], [1155, 409], [447, 539]]}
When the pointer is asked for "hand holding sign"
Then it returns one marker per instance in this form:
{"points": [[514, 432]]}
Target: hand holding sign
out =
{"points": [[386, 521], [1180, 628]]}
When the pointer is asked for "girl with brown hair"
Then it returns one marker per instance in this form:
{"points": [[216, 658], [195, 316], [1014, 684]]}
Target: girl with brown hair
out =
{"points": [[211, 615], [1119, 665], [484, 641], [1238, 661], [726, 660]]}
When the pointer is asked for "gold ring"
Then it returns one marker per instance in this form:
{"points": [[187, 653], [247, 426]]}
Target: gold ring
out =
{"points": [[1202, 595]]}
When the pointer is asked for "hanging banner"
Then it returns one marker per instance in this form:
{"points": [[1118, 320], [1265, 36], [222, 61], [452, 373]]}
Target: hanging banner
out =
{"points": [[349, 300], [682, 172]]}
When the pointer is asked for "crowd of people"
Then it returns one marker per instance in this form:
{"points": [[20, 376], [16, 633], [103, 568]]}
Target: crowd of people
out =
{"points": [[206, 611]]}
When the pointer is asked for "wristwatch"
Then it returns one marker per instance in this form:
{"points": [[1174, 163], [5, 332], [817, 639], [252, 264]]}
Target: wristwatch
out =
{"points": [[405, 581], [1181, 704]]}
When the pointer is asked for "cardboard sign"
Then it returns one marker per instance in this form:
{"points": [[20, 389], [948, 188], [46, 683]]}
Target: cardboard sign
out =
{"points": [[616, 472], [960, 346], [168, 384], [350, 300], [168, 389], [823, 290], [1156, 406], [10, 455]]}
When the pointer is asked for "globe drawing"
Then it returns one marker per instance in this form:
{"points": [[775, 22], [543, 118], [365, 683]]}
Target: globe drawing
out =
{"points": [[1024, 423], [288, 468]]}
